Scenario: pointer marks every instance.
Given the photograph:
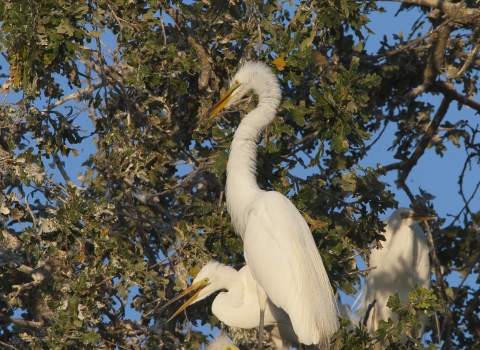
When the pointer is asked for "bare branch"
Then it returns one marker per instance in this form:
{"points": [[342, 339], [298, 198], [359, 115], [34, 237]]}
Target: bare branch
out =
{"points": [[207, 71], [402, 48], [60, 167], [449, 90], [467, 63], [294, 178], [361, 271], [427, 137], [9, 346], [75, 96], [457, 13], [435, 61], [24, 323]]}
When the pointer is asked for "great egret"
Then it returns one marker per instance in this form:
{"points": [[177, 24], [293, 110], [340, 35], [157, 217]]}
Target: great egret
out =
{"points": [[238, 306], [221, 342], [404, 255], [278, 245]]}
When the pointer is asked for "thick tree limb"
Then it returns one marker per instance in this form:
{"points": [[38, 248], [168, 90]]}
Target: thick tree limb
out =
{"points": [[435, 61], [24, 323], [448, 90], [207, 71], [458, 13]]}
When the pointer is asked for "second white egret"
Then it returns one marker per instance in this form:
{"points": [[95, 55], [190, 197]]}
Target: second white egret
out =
{"points": [[404, 255], [238, 306]]}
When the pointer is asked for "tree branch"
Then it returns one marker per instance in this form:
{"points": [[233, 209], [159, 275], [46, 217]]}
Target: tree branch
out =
{"points": [[467, 63], [458, 13], [427, 137], [75, 96], [449, 90], [435, 61], [400, 49], [207, 71], [294, 178], [24, 323]]}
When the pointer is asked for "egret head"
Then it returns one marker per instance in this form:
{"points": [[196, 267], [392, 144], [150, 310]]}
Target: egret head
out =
{"points": [[222, 342], [251, 76], [407, 217], [207, 281]]}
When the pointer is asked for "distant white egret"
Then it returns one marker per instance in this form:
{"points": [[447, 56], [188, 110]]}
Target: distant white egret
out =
{"points": [[221, 342], [238, 306], [404, 255], [278, 245]]}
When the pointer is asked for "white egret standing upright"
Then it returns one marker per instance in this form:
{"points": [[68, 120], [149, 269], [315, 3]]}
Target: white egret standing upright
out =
{"points": [[222, 342], [278, 245], [238, 306], [404, 255]]}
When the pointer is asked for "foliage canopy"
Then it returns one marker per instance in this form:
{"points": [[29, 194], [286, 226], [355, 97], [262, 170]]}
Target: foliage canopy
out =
{"points": [[121, 84]]}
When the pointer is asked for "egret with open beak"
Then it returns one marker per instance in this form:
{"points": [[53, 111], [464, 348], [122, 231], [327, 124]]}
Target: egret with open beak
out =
{"points": [[198, 286]]}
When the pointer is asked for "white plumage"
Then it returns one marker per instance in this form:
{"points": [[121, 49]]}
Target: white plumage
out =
{"points": [[221, 342], [404, 255], [278, 245], [238, 306]]}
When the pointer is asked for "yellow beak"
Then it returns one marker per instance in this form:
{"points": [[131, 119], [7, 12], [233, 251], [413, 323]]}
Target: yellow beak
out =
{"points": [[216, 108], [422, 217], [196, 286]]}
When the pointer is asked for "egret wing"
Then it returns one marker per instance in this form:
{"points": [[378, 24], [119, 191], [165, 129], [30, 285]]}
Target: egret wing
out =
{"points": [[284, 260]]}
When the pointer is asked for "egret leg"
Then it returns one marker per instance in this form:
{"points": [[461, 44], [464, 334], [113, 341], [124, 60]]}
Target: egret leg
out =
{"points": [[262, 301]]}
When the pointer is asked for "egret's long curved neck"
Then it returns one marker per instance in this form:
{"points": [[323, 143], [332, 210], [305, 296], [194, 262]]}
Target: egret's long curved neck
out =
{"points": [[233, 298], [242, 187]]}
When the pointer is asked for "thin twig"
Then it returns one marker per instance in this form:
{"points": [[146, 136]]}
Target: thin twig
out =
{"points": [[400, 49], [467, 63], [359, 252], [356, 272], [297, 179], [8, 345]]}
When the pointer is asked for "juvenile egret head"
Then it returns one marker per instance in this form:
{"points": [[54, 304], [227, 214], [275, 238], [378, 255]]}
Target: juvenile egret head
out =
{"points": [[402, 221], [407, 217], [221, 342]]}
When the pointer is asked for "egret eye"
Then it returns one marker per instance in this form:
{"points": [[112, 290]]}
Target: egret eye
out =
{"points": [[205, 280]]}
